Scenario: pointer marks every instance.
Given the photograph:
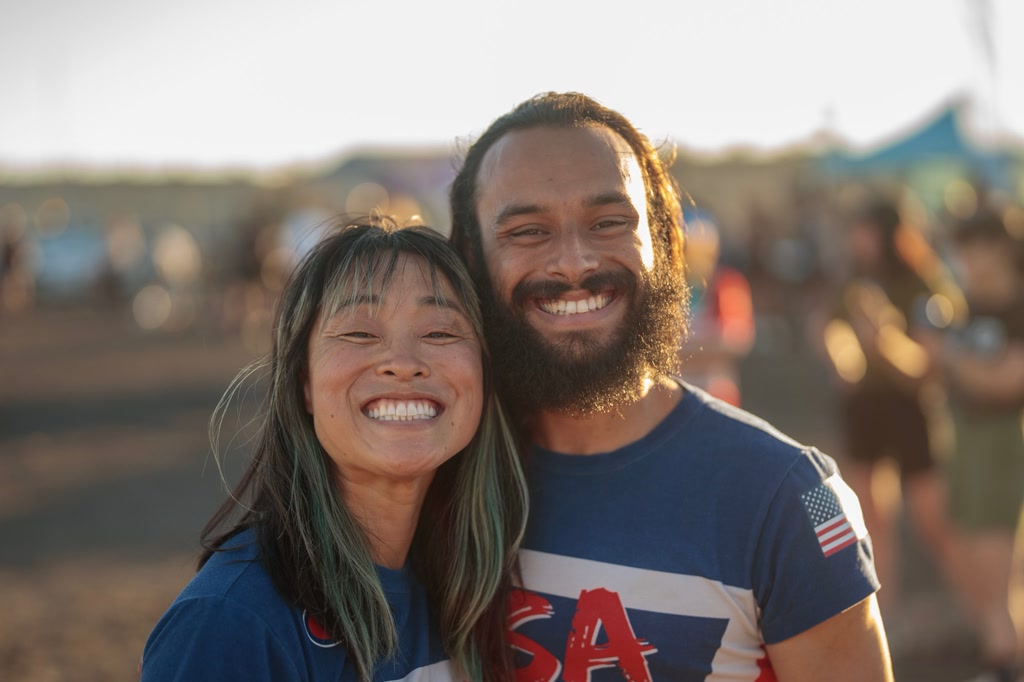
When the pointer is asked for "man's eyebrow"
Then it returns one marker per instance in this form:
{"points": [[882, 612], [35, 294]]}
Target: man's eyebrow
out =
{"points": [[514, 210], [609, 198], [613, 197]]}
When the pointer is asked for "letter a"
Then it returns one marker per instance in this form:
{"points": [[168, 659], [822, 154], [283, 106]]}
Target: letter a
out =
{"points": [[596, 610]]}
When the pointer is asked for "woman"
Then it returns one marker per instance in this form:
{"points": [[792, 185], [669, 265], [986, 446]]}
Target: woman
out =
{"points": [[897, 291], [380, 514]]}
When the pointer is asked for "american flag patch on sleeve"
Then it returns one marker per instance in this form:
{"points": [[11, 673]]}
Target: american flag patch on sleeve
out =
{"points": [[835, 515]]}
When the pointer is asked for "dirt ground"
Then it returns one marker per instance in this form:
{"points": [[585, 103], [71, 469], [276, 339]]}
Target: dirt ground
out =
{"points": [[105, 481]]}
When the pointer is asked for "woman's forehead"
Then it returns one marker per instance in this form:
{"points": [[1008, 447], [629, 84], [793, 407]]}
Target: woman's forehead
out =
{"points": [[377, 280]]}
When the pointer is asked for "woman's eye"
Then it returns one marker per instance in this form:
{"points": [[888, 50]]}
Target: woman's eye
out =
{"points": [[440, 335], [357, 335]]}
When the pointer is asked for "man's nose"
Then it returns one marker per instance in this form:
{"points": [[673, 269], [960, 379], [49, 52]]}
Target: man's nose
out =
{"points": [[572, 257]]}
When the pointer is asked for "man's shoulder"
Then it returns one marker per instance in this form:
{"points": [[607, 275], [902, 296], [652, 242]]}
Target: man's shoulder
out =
{"points": [[727, 430]]}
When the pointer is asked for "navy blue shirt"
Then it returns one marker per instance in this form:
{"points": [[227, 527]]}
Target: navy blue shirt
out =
{"points": [[230, 623], [679, 556]]}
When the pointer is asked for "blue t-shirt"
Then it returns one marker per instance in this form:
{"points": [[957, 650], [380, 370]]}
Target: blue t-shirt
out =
{"points": [[230, 623], [679, 556]]}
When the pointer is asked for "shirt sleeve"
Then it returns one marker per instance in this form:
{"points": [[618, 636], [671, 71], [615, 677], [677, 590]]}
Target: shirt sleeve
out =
{"points": [[814, 557], [213, 638]]}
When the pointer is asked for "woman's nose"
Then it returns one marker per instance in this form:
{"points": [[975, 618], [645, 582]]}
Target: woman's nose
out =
{"points": [[403, 361]]}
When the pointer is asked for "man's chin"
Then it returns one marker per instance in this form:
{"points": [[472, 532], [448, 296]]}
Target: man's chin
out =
{"points": [[579, 347]]}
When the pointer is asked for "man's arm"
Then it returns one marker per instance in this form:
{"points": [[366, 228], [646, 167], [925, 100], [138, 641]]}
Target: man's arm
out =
{"points": [[848, 647]]}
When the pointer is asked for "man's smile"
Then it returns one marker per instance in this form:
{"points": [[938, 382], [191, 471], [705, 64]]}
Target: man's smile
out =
{"points": [[568, 306]]}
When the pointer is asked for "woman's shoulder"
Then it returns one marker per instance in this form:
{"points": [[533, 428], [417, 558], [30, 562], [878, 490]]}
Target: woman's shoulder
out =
{"points": [[231, 623], [233, 578], [231, 571]]}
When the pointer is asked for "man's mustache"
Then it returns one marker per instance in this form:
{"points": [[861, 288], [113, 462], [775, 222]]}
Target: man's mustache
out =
{"points": [[618, 280]]}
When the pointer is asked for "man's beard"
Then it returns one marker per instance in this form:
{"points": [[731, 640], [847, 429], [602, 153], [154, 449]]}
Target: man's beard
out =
{"points": [[581, 374]]}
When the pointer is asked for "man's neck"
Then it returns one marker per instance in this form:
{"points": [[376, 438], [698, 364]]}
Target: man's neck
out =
{"points": [[609, 430]]}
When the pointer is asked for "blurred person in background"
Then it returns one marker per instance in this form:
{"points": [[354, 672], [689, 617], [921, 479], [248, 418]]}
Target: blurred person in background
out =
{"points": [[17, 282], [983, 363], [720, 329], [874, 343], [372, 535]]}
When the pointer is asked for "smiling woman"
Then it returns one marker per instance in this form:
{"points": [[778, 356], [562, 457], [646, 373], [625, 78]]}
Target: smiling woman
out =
{"points": [[395, 383], [380, 514]]}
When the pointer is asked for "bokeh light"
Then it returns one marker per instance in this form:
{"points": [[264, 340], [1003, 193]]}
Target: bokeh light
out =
{"points": [[961, 199], [845, 351], [126, 244], [151, 307], [1013, 219], [940, 311], [366, 198], [176, 256], [404, 208]]}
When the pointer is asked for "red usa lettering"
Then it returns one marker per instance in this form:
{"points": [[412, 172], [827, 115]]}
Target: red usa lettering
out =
{"points": [[596, 611], [523, 607]]}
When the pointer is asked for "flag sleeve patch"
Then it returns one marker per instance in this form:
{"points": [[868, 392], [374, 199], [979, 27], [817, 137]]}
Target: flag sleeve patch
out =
{"points": [[834, 527]]}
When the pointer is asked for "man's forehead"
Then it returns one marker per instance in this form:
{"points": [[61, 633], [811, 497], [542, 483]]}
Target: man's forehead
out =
{"points": [[558, 150]]}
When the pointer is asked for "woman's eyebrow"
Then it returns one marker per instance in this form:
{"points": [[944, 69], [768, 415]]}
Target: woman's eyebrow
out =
{"points": [[441, 302], [358, 300]]}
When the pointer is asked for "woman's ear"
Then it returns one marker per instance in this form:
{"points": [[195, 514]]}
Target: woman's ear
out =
{"points": [[307, 392]]}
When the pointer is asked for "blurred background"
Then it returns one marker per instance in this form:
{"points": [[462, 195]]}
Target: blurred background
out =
{"points": [[163, 166]]}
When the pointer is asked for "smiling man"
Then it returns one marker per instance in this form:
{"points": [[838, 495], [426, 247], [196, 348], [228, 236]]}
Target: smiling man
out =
{"points": [[672, 537]]}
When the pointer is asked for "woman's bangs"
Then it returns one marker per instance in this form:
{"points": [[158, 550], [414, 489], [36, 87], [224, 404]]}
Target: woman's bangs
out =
{"points": [[361, 277]]}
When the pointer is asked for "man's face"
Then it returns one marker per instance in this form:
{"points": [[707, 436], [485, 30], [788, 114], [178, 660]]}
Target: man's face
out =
{"points": [[558, 206], [569, 252]]}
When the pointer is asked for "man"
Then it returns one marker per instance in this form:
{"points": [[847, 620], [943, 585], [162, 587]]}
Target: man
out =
{"points": [[672, 537]]}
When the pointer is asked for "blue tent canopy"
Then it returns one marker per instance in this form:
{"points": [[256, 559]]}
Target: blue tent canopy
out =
{"points": [[940, 141]]}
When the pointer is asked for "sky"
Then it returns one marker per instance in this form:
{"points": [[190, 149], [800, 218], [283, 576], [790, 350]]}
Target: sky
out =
{"points": [[260, 84]]}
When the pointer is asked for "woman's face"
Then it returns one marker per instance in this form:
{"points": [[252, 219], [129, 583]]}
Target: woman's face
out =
{"points": [[395, 385]]}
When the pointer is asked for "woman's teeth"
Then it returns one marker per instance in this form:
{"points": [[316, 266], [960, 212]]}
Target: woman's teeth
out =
{"points": [[402, 410]]}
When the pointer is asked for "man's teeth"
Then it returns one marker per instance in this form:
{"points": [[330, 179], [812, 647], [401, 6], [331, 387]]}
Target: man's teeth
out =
{"points": [[402, 410], [560, 307]]}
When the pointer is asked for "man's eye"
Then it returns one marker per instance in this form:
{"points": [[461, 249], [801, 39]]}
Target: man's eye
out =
{"points": [[527, 232], [611, 223]]}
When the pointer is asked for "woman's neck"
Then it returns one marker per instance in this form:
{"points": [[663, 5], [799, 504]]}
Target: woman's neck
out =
{"points": [[388, 511]]}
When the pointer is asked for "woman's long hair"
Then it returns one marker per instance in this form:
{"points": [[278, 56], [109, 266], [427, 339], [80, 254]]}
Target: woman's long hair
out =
{"points": [[315, 551]]}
